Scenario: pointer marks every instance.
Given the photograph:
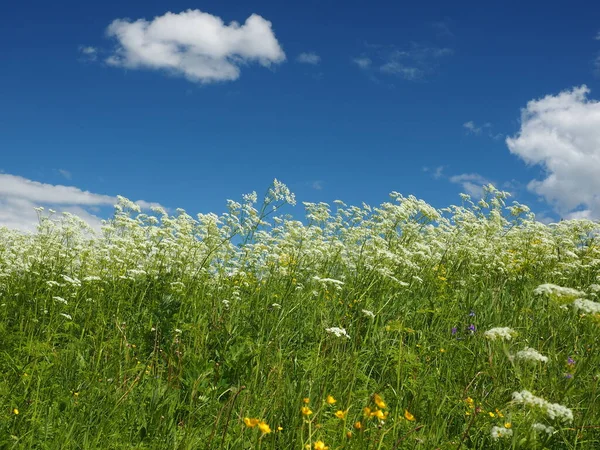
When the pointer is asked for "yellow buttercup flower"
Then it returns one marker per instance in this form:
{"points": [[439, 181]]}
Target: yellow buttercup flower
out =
{"points": [[379, 401], [16, 412], [306, 411], [508, 425], [306, 400], [408, 415], [492, 414], [367, 411], [348, 434], [251, 422], [357, 426], [320, 445], [379, 414], [330, 400], [264, 427], [341, 414]]}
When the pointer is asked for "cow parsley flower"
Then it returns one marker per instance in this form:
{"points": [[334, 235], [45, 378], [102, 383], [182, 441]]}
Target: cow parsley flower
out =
{"points": [[541, 428], [500, 333], [339, 332], [530, 354], [552, 410], [500, 432], [368, 313], [587, 306]]}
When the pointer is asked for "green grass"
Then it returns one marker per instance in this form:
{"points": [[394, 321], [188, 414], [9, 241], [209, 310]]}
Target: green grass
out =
{"points": [[165, 332]]}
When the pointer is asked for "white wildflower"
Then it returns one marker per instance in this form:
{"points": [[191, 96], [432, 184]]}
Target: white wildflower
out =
{"points": [[328, 280], [177, 330], [225, 303], [498, 432], [530, 354], [587, 306], [276, 306], [557, 291], [368, 313], [541, 428], [500, 333], [553, 410], [92, 278], [339, 332], [66, 316], [60, 299]]}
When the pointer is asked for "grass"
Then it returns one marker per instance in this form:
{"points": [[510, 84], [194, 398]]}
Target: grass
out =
{"points": [[173, 332]]}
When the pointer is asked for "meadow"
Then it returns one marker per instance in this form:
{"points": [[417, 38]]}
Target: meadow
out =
{"points": [[400, 326]]}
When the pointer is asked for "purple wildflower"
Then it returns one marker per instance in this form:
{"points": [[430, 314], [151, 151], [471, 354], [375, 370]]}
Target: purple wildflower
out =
{"points": [[570, 361], [568, 375], [472, 328], [454, 330]]}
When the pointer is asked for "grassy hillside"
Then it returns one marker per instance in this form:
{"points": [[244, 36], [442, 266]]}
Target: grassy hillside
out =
{"points": [[391, 327]]}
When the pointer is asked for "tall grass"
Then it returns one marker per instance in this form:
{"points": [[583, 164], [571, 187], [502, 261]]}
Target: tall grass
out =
{"points": [[359, 328]]}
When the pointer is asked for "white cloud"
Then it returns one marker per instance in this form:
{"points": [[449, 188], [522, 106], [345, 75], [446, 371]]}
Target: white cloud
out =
{"points": [[411, 64], [89, 53], [317, 185], [472, 128], [309, 58], [362, 62], [436, 172], [597, 36], [19, 196], [65, 173], [194, 44], [471, 183], [561, 134]]}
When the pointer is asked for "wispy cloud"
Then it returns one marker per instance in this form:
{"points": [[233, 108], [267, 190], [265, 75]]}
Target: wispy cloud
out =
{"points": [[597, 36], [20, 196], [413, 63], [442, 28], [436, 172], [194, 44], [65, 173], [309, 58], [363, 62], [471, 183], [88, 53], [317, 185], [472, 128]]}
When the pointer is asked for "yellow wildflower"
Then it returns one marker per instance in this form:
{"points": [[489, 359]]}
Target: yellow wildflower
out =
{"points": [[379, 401], [306, 400], [348, 434], [330, 400], [341, 414], [367, 411], [508, 425], [379, 414], [251, 422], [16, 412], [320, 445], [358, 426], [408, 415], [280, 428], [492, 414], [264, 427], [499, 413], [306, 411]]}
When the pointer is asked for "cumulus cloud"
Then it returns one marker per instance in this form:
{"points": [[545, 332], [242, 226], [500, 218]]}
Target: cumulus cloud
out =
{"points": [[561, 134], [20, 196], [309, 58], [471, 183], [194, 44]]}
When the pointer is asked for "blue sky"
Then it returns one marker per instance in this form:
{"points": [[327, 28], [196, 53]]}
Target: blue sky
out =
{"points": [[384, 96]]}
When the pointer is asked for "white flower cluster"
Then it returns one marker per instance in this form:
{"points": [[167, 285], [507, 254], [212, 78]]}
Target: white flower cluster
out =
{"points": [[541, 428], [339, 332], [557, 291], [499, 432], [530, 354], [552, 410], [368, 313], [587, 306], [500, 333]]}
